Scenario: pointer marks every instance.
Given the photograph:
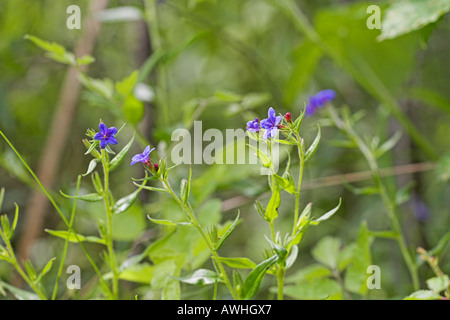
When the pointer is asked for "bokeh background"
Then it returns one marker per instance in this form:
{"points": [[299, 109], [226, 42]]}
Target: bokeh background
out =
{"points": [[225, 62]]}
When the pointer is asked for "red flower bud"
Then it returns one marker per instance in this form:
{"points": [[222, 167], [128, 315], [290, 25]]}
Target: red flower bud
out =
{"points": [[156, 166], [288, 117]]}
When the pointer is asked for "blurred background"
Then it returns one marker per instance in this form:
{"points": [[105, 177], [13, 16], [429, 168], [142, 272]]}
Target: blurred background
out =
{"points": [[224, 63]]}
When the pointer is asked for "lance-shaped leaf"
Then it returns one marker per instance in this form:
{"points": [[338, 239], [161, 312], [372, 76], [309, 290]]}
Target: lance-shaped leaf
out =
{"points": [[90, 197], [74, 238], [255, 277], [54, 51], [126, 202], [388, 145], [227, 233], [2, 195], [169, 222], [186, 187], [327, 215], [274, 202], [91, 167], [118, 159], [201, 277], [313, 147], [285, 184], [238, 262], [263, 157], [46, 269], [149, 187], [91, 148], [19, 293]]}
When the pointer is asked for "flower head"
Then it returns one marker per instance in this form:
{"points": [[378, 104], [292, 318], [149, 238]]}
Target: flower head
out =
{"points": [[106, 135], [318, 100], [270, 124], [253, 126], [143, 157]]}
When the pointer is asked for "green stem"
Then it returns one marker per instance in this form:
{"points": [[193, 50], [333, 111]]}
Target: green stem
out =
{"points": [[109, 214], [387, 202], [15, 263], [299, 182], [66, 244], [280, 280], [58, 210], [196, 224]]}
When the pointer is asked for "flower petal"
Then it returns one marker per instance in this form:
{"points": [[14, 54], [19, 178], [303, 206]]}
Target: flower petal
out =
{"points": [[271, 114], [103, 128], [111, 140], [103, 143], [98, 136], [112, 131]]}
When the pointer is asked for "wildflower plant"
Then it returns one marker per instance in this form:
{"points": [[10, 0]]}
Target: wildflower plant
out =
{"points": [[285, 248]]}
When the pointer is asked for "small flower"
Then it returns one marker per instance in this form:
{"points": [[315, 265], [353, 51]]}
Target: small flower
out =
{"points": [[270, 124], [288, 117], [253, 126], [106, 135], [318, 100], [143, 157]]}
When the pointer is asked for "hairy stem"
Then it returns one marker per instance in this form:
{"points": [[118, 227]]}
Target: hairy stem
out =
{"points": [[109, 214]]}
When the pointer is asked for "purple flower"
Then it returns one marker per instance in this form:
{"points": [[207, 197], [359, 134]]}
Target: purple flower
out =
{"points": [[106, 135], [142, 157], [318, 100], [270, 124], [253, 126]]}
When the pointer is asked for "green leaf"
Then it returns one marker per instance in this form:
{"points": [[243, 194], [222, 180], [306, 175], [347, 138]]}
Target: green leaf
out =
{"points": [[143, 186], [126, 86], [139, 273], [274, 202], [264, 158], [423, 295], [126, 202], [388, 145], [168, 222], [309, 272], [91, 167], [91, 148], [327, 251], [90, 197], [356, 272], [19, 293], [46, 269], [54, 51], [405, 16], [6, 227], [292, 257], [2, 196], [16, 218], [73, 238], [186, 187], [85, 60], [227, 233], [315, 289], [255, 277], [438, 284], [328, 215], [238, 263], [285, 184], [200, 277], [118, 159], [133, 109], [313, 147]]}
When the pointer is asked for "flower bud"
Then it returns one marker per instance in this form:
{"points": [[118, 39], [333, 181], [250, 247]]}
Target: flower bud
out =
{"points": [[288, 117]]}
